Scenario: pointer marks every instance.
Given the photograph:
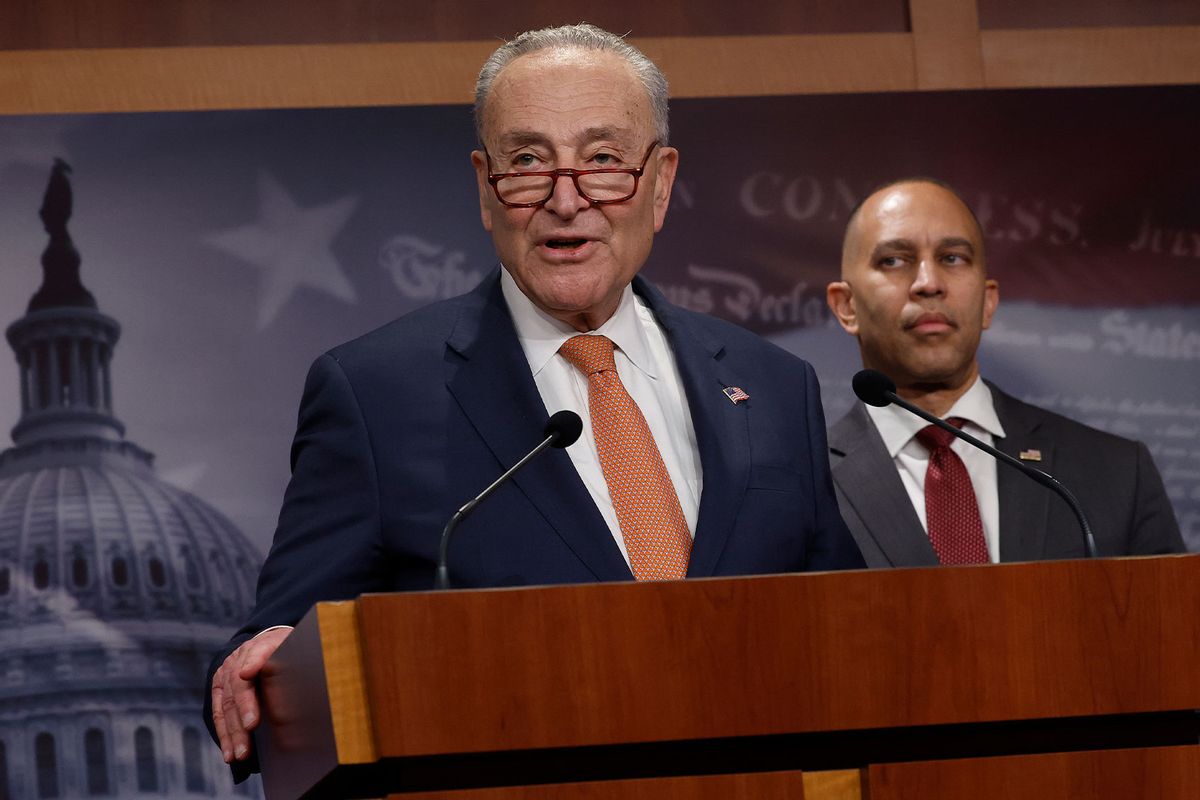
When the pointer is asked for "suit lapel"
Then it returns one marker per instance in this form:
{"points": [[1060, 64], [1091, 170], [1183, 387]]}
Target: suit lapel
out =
{"points": [[866, 476], [1024, 505], [722, 428], [489, 377]]}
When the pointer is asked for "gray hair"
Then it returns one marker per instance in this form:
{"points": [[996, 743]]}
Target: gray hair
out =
{"points": [[578, 37]]}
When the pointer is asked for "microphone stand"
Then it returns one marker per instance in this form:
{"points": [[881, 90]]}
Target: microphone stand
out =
{"points": [[442, 577], [1089, 542]]}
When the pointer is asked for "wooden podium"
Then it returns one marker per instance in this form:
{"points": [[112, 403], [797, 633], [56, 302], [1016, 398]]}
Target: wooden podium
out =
{"points": [[1073, 679]]}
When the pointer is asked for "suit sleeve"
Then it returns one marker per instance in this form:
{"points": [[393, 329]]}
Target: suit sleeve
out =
{"points": [[327, 544], [1153, 529], [832, 547]]}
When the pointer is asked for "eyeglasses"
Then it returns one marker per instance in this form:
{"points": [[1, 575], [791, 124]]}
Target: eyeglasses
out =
{"points": [[597, 186]]}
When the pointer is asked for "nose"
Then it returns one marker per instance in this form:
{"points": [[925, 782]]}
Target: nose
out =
{"points": [[928, 282], [565, 201]]}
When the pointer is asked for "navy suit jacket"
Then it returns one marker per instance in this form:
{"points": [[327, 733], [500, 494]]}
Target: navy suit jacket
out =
{"points": [[1113, 478], [400, 427]]}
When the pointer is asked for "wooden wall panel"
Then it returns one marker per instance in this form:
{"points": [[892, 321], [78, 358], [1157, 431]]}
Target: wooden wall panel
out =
{"points": [[773, 65], [90, 55], [1086, 13], [1091, 57], [68, 24], [946, 44], [419, 73], [187, 78]]}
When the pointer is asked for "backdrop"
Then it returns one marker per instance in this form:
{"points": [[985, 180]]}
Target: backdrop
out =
{"points": [[235, 247]]}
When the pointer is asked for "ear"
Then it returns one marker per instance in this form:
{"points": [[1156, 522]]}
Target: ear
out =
{"points": [[665, 166], [840, 297], [991, 299], [479, 162]]}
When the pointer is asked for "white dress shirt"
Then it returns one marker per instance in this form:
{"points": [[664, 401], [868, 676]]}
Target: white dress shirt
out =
{"points": [[646, 365], [899, 429]]}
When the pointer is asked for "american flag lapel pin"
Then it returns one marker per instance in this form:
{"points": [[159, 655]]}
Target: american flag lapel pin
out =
{"points": [[735, 394], [1030, 455]]}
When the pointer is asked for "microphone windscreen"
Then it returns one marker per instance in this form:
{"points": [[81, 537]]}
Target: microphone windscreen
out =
{"points": [[872, 387], [565, 427]]}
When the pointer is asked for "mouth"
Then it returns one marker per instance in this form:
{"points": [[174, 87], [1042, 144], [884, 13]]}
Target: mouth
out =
{"points": [[931, 322], [566, 249], [565, 244]]}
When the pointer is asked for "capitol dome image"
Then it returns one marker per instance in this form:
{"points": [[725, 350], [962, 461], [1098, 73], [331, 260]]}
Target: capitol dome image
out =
{"points": [[115, 587]]}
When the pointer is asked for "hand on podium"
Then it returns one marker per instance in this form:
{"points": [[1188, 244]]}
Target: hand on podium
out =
{"points": [[234, 699]]}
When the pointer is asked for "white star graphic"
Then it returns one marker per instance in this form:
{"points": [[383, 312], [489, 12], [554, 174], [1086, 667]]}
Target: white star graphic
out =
{"points": [[291, 245]]}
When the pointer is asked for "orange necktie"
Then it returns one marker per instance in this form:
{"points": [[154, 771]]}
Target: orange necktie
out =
{"points": [[648, 511]]}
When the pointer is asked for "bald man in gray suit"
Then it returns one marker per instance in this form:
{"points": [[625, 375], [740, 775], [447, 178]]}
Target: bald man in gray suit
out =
{"points": [[915, 293]]}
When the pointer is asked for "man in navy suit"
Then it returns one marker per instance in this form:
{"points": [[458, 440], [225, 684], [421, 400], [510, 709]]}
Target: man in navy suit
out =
{"points": [[915, 292], [400, 427]]}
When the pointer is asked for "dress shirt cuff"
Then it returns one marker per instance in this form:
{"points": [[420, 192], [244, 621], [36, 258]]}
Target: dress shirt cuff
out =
{"points": [[272, 628]]}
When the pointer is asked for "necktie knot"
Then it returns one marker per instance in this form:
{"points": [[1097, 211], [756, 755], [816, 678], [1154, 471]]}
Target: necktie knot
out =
{"points": [[589, 354], [933, 437]]}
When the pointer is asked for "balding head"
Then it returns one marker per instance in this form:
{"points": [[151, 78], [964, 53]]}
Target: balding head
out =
{"points": [[583, 37], [914, 289], [851, 235]]}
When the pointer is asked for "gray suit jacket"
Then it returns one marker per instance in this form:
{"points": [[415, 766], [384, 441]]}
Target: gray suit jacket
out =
{"points": [[1114, 479]]}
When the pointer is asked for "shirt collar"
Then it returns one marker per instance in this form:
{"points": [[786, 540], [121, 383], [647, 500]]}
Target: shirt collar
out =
{"points": [[541, 334], [898, 427]]}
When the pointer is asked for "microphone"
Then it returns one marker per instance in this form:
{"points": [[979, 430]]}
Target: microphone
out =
{"points": [[876, 389], [561, 430]]}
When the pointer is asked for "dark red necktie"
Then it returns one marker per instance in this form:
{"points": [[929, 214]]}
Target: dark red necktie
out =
{"points": [[951, 510]]}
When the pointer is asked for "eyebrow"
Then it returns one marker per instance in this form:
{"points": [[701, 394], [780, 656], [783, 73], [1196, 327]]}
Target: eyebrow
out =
{"points": [[521, 138], [907, 245], [607, 133], [891, 245], [957, 241]]}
